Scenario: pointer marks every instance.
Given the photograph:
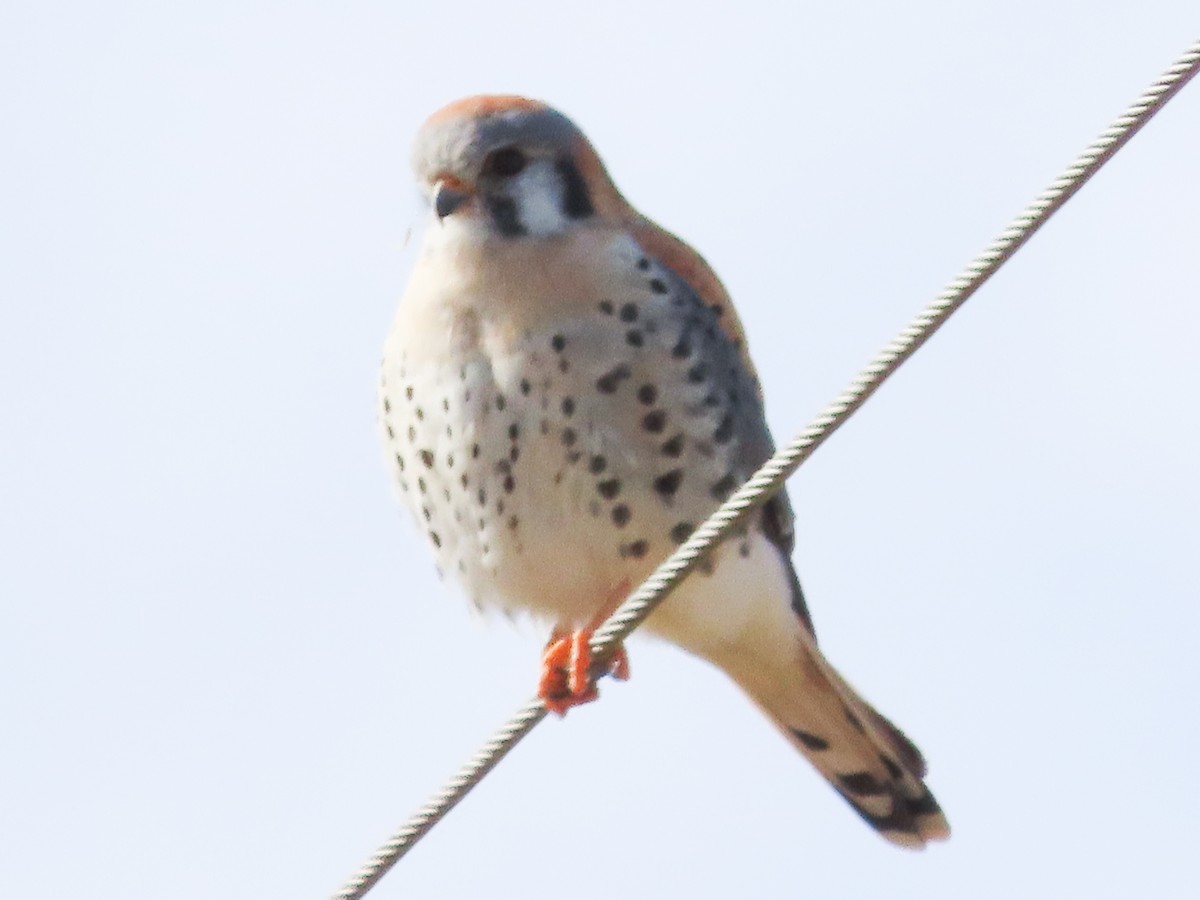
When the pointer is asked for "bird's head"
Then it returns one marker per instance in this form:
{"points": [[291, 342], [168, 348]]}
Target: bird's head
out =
{"points": [[513, 168]]}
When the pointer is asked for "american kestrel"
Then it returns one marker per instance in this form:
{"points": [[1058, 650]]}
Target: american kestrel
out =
{"points": [[565, 394]]}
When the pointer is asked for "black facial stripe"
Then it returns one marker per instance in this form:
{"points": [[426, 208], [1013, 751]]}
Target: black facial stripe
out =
{"points": [[503, 211], [577, 203]]}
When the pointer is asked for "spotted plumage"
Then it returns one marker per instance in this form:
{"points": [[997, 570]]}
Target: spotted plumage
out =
{"points": [[565, 393]]}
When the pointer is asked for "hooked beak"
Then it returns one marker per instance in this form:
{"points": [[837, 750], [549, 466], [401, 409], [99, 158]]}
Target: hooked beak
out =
{"points": [[448, 196]]}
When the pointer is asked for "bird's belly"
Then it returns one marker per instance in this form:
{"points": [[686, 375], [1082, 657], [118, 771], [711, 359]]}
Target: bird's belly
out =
{"points": [[499, 475], [530, 497], [553, 464]]}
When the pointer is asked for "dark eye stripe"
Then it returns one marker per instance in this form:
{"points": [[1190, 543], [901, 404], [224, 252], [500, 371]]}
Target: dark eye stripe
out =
{"points": [[503, 211], [577, 203]]}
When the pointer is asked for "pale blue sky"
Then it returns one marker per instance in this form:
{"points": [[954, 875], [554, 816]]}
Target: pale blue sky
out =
{"points": [[227, 668]]}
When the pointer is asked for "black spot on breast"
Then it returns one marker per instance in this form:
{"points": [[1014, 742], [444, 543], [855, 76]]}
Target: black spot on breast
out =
{"points": [[606, 307], [682, 350], [387, 406], [558, 342], [408, 392], [514, 431], [400, 461], [449, 460], [621, 515], [568, 407], [482, 497], [421, 485], [697, 373], [509, 484], [681, 531], [576, 201], [436, 538], [634, 338], [426, 513], [611, 380], [568, 437], [636, 549], [655, 421], [474, 451], [629, 312], [526, 387], [643, 264], [724, 430], [501, 402], [445, 404], [810, 741], [658, 286], [420, 414], [596, 465], [609, 488], [673, 447], [647, 394], [391, 433], [503, 211], [723, 488], [668, 483]]}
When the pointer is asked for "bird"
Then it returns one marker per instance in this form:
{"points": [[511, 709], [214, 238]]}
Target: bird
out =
{"points": [[565, 393]]}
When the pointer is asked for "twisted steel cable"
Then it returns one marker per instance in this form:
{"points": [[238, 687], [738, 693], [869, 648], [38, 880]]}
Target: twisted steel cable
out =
{"points": [[771, 477]]}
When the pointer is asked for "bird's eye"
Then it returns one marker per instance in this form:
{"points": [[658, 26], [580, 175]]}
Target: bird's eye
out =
{"points": [[505, 162]]}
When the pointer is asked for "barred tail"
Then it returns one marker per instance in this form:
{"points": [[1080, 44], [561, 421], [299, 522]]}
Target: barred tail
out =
{"points": [[866, 758]]}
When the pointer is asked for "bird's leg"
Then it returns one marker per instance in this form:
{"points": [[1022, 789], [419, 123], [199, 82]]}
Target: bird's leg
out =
{"points": [[566, 678]]}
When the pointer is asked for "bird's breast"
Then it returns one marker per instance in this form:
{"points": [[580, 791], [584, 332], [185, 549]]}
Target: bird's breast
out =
{"points": [[556, 433]]}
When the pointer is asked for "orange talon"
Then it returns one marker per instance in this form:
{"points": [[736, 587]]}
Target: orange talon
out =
{"points": [[564, 682], [566, 671], [552, 686], [567, 664], [578, 679]]}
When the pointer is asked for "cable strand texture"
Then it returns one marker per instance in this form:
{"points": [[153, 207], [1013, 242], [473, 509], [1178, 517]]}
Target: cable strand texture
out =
{"points": [[770, 478]]}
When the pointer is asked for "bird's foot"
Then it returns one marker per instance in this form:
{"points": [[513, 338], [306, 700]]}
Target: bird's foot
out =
{"points": [[567, 678]]}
